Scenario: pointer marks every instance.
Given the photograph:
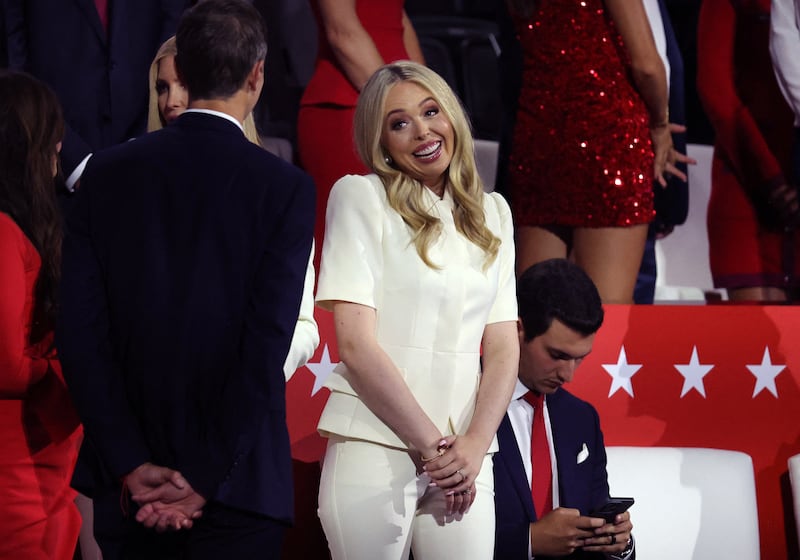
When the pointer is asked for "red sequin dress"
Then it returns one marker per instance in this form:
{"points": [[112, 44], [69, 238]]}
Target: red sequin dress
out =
{"points": [[581, 155]]}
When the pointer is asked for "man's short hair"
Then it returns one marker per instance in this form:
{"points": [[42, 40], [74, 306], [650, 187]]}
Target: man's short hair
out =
{"points": [[558, 289], [219, 42]]}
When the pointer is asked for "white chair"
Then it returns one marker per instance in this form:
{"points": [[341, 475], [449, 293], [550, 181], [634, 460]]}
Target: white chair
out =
{"points": [[691, 503], [794, 479], [682, 257], [486, 161], [278, 146]]}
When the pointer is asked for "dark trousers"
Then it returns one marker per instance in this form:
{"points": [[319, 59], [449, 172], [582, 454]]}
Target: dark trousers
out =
{"points": [[221, 532], [645, 289]]}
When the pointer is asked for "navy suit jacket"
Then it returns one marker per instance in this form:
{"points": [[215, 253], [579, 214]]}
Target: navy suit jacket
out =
{"points": [[183, 269], [583, 486], [101, 79]]}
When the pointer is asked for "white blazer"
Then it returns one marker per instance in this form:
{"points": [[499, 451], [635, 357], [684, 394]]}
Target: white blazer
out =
{"points": [[305, 338], [429, 321]]}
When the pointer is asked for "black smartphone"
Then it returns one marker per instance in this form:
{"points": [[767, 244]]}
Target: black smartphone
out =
{"points": [[612, 508]]}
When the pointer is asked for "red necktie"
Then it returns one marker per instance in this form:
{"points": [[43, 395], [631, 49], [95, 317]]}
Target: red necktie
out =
{"points": [[542, 477], [102, 11]]}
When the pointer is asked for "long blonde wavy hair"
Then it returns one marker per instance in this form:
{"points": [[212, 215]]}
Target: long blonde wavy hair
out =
{"points": [[154, 119], [404, 193]]}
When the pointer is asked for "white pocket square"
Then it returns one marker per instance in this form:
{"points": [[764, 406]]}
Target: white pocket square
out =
{"points": [[583, 454]]}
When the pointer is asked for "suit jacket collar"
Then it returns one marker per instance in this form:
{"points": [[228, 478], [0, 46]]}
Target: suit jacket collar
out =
{"points": [[567, 442], [511, 460], [90, 12], [206, 121]]}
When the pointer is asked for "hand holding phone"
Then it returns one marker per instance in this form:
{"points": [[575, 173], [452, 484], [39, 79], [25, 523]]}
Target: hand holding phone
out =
{"points": [[612, 508]]}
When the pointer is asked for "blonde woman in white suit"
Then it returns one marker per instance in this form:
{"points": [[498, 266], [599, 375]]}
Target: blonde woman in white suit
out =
{"points": [[418, 269]]}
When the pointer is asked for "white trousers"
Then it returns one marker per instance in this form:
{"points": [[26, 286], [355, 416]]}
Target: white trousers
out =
{"points": [[374, 506]]}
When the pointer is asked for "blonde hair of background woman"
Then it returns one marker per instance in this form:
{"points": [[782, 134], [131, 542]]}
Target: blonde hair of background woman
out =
{"points": [[154, 118], [405, 194]]}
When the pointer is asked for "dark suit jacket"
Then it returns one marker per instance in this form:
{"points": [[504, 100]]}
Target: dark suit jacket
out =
{"points": [[184, 264], [583, 486], [3, 41], [672, 203], [101, 80]]}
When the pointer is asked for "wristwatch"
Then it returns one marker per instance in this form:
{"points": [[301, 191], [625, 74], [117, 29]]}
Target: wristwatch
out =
{"points": [[626, 553]]}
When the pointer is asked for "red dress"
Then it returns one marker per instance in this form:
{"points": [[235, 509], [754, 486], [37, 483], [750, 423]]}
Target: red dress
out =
{"points": [[325, 121], [39, 430], [582, 155], [752, 150]]}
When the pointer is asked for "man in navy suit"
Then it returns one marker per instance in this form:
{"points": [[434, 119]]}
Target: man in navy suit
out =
{"points": [[183, 268], [559, 314], [97, 64]]}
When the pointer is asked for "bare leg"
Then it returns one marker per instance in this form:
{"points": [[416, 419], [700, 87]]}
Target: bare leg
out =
{"points": [[611, 257], [535, 244], [757, 293], [89, 548]]}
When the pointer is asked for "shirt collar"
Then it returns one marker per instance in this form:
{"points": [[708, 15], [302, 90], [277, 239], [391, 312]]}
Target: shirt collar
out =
{"points": [[217, 114], [519, 390], [433, 199]]}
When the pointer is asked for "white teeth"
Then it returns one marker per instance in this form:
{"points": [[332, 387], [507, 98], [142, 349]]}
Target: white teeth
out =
{"points": [[429, 150]]}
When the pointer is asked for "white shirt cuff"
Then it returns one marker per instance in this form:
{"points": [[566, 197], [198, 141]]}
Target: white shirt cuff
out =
{"points": [[75, 176]]}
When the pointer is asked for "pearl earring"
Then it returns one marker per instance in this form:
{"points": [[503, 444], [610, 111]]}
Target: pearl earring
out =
{"points": [[388, 160]]}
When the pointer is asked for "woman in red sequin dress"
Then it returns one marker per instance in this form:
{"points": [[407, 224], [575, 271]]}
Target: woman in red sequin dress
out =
{"points": [[592, 114], [751, 255], [39, 430], [356, 38]]}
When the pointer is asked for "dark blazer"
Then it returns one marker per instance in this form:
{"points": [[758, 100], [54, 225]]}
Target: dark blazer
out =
{"points": [[184, 263], [3, 41], [101, 79], [583, 486], [672, 203]]}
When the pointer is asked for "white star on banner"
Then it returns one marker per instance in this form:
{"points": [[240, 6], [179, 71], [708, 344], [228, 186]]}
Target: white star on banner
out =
{"points": [[621, 373], [766, 373], [693, 374], [321, 370]]}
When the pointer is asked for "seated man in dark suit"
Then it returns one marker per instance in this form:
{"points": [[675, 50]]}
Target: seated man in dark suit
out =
{"points": [[544, 513], [183, 269]]}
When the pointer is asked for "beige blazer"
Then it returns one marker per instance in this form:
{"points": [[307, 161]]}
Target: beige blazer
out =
{"points": [[429, 321]]}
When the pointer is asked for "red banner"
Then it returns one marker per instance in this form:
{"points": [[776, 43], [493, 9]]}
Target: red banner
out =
{"points": [[691, 376]]}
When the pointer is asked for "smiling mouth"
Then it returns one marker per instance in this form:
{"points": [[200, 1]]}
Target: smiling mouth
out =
{"points": [[430, 151]]}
